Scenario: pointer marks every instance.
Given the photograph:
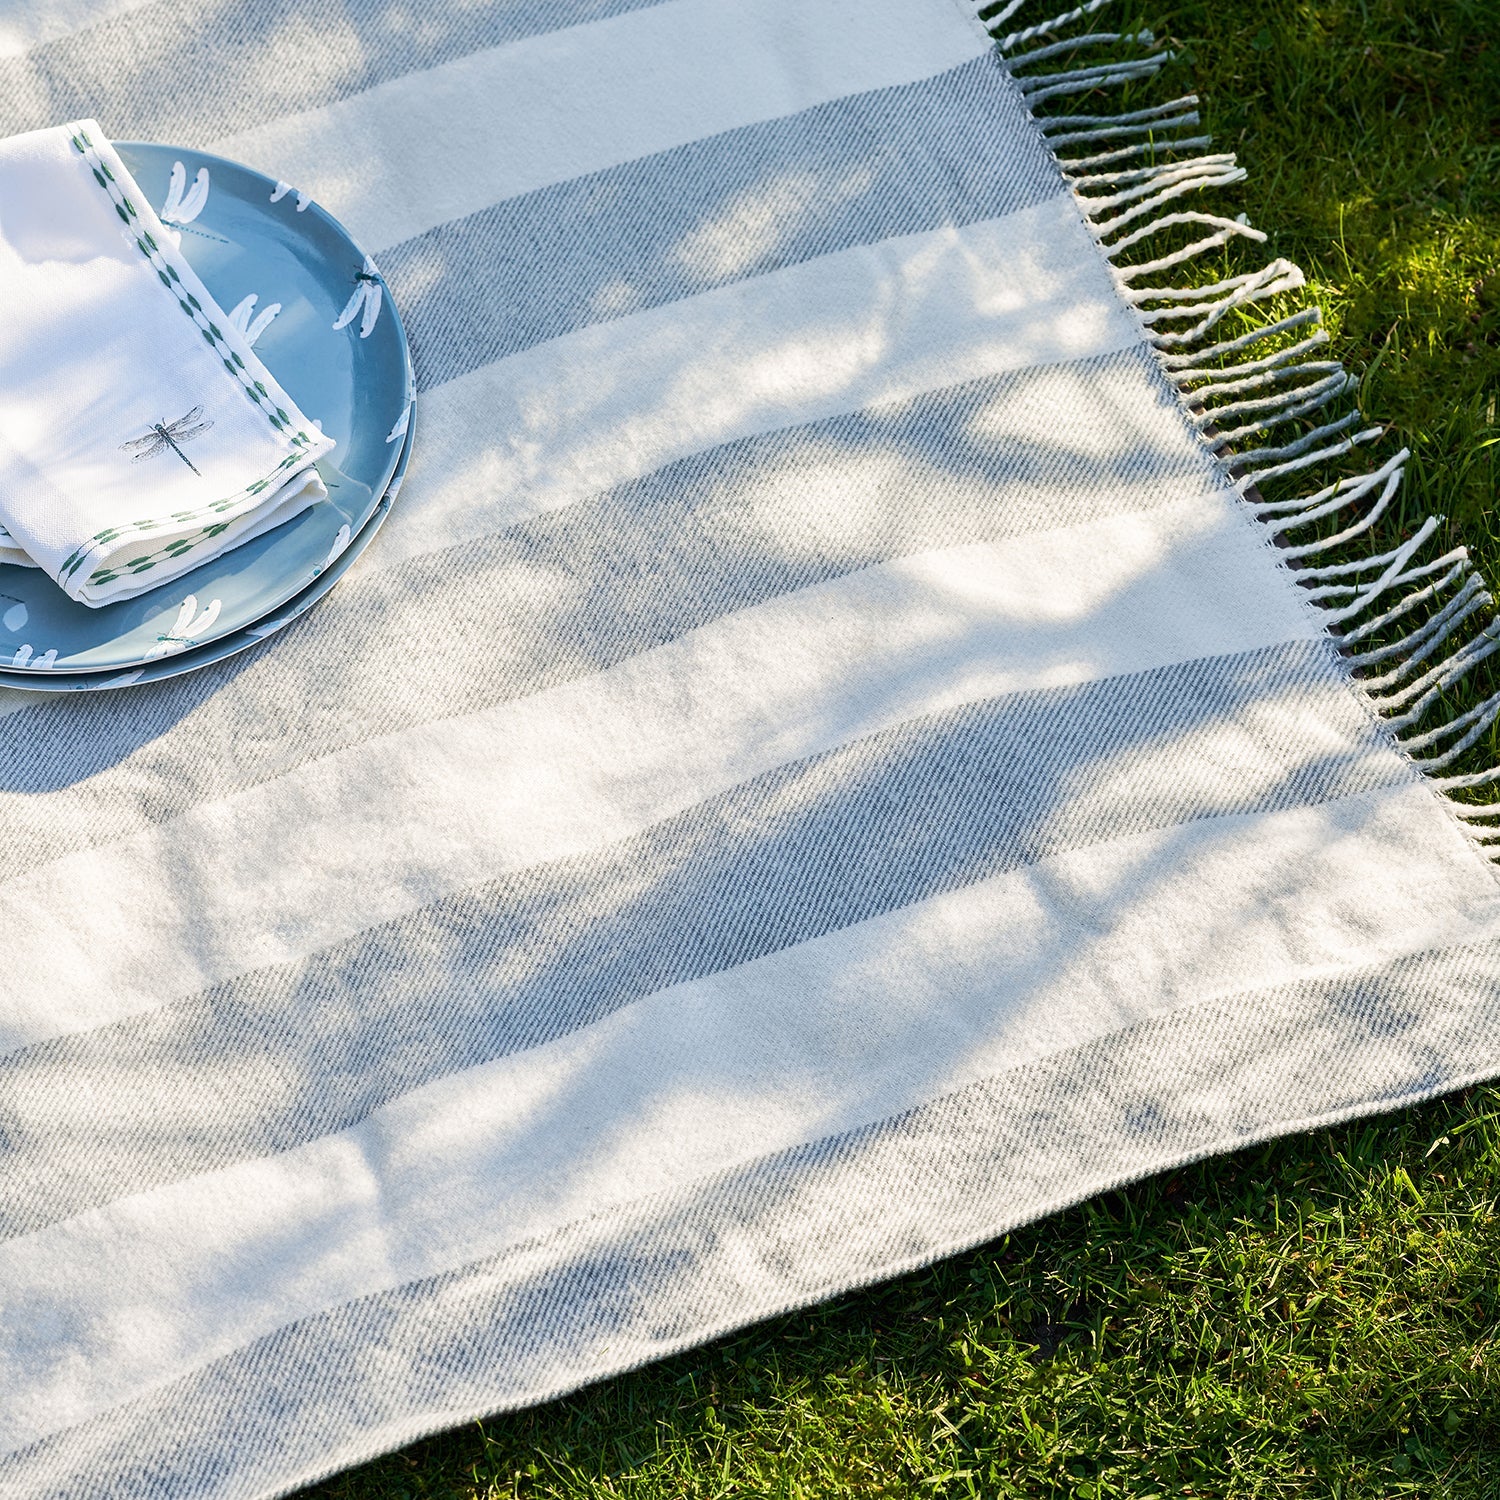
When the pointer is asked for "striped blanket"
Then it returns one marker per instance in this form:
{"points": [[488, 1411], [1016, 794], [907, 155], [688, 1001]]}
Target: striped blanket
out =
{"points": [[825, 763]]}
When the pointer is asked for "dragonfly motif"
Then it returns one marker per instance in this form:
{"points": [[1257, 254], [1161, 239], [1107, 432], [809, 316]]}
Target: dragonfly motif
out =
{"points": [[248, 322], [164, 435], [184, 203], [24, 657], [283, 188], [365, 299], [191, 622]]}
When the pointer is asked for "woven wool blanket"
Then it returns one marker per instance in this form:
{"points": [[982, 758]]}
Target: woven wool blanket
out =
{"points": [[827, 761]]}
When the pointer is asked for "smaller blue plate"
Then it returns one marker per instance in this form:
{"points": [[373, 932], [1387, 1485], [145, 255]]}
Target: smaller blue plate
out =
{"points": [[173, 664], [250, 237]]}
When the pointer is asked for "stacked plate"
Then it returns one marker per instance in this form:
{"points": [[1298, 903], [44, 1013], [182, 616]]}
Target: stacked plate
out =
{"points": [[295, 283]]}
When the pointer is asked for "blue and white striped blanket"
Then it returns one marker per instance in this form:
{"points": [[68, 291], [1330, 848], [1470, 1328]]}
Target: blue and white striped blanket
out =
{"points": [[823, 765]]}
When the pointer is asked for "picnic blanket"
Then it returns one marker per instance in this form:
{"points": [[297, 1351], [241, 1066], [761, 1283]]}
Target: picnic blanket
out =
{"points": [[827, 761]]}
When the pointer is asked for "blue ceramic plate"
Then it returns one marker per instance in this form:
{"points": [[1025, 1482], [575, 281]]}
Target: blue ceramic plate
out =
{"points": [[174, 664], [249, 238]]}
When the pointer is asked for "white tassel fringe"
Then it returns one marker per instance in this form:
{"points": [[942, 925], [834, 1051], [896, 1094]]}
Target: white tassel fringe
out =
{"points": [[1128, 195]]}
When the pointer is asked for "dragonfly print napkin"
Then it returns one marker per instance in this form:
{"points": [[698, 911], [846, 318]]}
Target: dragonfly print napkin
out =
{"points": [[826, 763], [114, 355]]}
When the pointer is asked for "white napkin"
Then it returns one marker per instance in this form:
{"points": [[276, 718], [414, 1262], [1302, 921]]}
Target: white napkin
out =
{"points": [[139, 435]]}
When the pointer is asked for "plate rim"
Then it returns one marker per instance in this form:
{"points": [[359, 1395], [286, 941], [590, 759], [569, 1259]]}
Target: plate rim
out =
{"points": [[160, 669]]}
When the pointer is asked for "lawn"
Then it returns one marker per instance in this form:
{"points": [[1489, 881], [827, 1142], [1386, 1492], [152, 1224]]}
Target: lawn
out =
{"points": [[1318, 1317]]}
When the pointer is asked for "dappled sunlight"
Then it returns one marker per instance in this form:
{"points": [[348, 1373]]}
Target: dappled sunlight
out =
{"points": [[1116, 422], [809, 672], [416, 21], [30, 23], [810, 1041], [330, 51], [702, 1077], [662, 732], [749, 231], [69, 1361], [842, 1032], [863, 337], [574, 415], [613, 299], [716, 790], [598, 584]]}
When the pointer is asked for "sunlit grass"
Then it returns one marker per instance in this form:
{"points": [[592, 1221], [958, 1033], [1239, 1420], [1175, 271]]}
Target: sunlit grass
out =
{"points": [[1372, 136], [1318, 1317]]}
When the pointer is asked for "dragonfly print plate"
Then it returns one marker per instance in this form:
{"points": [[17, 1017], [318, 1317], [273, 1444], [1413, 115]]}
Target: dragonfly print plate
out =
{"points": [[291, 279], [175, 663]]}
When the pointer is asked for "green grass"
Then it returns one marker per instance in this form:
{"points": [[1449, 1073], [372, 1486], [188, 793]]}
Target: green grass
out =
{"points": [[1319, 1317], [1371, 132]]}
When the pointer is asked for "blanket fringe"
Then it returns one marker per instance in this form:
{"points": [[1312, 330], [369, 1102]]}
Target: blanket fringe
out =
{"points": [[1128, 171]]}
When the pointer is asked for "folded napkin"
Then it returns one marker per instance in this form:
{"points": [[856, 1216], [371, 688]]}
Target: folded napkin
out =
{"points": [[139, 435]]}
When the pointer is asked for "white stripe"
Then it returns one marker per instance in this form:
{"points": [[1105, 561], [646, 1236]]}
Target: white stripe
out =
{"points": [[425, 148], [385, 827], [12, 700], [30, 23], [575, 415], [808, 1042]]}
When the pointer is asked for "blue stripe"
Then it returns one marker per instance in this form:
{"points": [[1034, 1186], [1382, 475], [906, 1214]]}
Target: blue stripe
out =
{"points": [[953, 149], [926, 807], [176, 71]]}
